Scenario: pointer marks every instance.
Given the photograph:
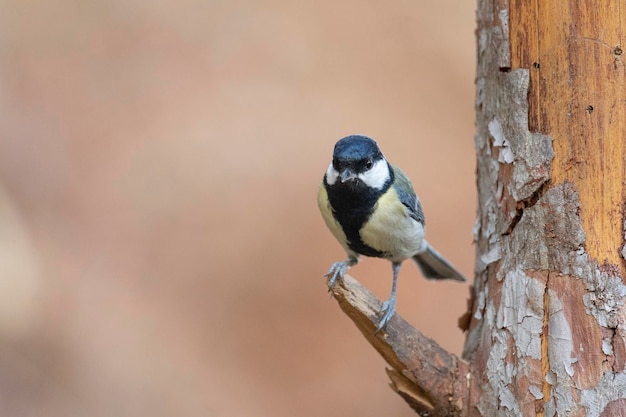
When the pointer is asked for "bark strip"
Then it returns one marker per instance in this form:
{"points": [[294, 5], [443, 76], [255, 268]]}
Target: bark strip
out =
{"points": [[430, 379]]}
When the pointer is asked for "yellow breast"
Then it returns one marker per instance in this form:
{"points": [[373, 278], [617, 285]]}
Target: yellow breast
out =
{"points": [[391, 230], [327, 214]]}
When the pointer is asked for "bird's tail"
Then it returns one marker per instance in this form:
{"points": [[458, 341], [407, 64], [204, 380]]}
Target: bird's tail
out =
{"points": [[435, 266]]}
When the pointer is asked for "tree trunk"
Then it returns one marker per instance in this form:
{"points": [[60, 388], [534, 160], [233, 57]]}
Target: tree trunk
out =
{"points": [[547, 330], [546, 326]]}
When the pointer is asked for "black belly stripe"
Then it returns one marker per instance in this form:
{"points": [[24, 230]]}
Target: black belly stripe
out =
{"points": [[352, 207]]}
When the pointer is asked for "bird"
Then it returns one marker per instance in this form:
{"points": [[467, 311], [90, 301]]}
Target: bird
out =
{"points": [[371, 208]]}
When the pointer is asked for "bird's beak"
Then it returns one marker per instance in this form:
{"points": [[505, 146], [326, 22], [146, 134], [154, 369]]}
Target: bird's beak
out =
{"points": [[347, 175]]}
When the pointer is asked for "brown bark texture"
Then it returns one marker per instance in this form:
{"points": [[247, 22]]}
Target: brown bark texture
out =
{"points": [[546, 323], [547, 330]]}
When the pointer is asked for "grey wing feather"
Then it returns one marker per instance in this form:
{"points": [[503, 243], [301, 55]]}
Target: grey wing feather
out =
{"points": [[407, 196]]}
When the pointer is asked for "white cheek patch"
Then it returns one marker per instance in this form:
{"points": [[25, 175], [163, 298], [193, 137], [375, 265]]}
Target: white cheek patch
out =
{"points": [[331, 175], [377, 176]]}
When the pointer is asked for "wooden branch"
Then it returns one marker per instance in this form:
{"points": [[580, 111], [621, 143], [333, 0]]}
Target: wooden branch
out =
{"points": [[431, 380]]}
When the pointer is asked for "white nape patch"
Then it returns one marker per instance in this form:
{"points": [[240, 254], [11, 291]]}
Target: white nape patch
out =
{"points": [[377, 176], [331, 174]]}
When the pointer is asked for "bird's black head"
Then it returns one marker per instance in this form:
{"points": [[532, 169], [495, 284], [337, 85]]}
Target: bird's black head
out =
{"points": [[357, 152], [358, 160]]}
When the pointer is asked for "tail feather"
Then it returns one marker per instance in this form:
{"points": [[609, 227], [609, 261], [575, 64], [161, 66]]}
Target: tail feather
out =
{"points": [[434, 266]]}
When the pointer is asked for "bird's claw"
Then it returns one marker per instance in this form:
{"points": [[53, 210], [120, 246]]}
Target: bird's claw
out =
{"points": [[337, 270], [388, 310]]}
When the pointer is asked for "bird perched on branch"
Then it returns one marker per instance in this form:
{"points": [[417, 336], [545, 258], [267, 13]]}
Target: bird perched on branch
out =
{"points": [[371, 208]]}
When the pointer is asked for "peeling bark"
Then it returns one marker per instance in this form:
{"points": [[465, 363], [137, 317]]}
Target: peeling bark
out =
{"points": [[547, 323]]}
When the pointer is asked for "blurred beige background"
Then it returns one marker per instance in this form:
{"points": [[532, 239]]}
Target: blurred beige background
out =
{"points": [[161, 252]]}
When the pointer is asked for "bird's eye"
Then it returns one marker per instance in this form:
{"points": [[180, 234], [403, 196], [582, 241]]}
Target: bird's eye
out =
{"points": [[369, 164]]}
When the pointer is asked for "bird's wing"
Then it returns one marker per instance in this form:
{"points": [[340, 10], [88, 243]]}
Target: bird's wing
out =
{"points": [[407, 196]]}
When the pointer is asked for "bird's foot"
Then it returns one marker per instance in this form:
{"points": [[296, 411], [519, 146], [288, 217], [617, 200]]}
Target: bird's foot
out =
{"points": [[388, 310], [337, 270]]}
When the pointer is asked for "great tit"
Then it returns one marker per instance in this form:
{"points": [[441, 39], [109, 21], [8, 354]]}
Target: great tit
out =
{"points": [[371, 208]]}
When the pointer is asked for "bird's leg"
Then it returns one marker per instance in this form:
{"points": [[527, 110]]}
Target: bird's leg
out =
{"points": [[389, 306], [338, 270]]}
